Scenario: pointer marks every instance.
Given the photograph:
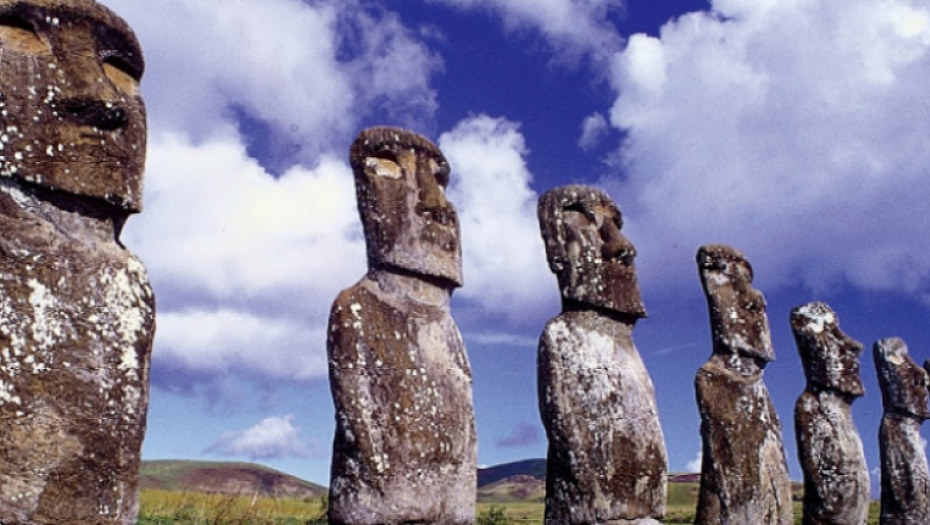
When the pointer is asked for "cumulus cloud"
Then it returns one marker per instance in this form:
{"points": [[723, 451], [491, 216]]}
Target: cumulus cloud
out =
{"points": [[757, 120], [307, 71], [521, 435], [572, 27], [245, 264], [272, 438], [504, 257]]}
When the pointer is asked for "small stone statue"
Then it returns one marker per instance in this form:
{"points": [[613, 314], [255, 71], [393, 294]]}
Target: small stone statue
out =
{"points": [[905, 479], [405, 449], [836, 478], [744, 476], [607, 460], [77, 314]]}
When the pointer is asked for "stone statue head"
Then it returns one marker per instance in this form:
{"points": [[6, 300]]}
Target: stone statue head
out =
{"points": [[903, 383], [591, 258], [738, 320], [71, 115], [830, 357], [400, 182]]}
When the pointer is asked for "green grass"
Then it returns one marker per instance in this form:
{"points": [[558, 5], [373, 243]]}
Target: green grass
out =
{"points": [[160, 507]]}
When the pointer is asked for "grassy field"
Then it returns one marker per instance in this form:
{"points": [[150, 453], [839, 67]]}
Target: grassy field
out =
{"points": [[179, 508], [160, 507]]}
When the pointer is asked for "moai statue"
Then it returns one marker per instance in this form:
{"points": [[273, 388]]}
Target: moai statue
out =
{"points": [[836, 478], [405, 449], [77, 314], [744, 476], [607, 460], [905, 479]]}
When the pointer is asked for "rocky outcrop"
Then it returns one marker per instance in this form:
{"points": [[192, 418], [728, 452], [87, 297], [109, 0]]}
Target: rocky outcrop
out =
{"points": [[76, 310], [744, 476], [405, 446], [607, 459], [905, 479], [836, 477]]}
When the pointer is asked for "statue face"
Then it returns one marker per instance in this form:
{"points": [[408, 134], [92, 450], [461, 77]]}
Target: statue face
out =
{"points": [[737, 310], [409, 224], [71, 115], [830, 357], [904, 384], [599, 267]]}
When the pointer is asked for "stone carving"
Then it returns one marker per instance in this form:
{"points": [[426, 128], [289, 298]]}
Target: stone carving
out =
{"points": [[905, 479], [76, 308], [607, 459], [405, 446], [744, 476], [836, 478]]}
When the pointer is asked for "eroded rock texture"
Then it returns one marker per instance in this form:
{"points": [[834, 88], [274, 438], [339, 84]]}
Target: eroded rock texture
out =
{"points": [[744, 477], [836, 477], [405, 445], [76, 308], [607, 460], [905, 479]]}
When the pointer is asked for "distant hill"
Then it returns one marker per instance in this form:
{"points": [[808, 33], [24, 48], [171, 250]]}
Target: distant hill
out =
{"points": [[225, 478], [535, 468]]}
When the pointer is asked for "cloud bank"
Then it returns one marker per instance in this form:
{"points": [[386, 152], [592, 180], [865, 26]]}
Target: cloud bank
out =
{"points": [[796, 131]]}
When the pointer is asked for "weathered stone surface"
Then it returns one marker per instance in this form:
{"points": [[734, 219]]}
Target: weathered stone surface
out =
{"points": [[744, 476], [76, 309], [836, 477], [905, 479], [607, 460], [405, 449]]}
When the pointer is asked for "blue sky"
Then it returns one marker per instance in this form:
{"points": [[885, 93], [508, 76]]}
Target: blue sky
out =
{"points": [[794, 130]]}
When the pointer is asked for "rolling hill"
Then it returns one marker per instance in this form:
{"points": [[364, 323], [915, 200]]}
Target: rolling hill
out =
{"points": [[224, 478]]}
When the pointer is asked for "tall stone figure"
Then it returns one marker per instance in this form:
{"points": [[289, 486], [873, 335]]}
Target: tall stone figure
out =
{"points": [[76, 309], [836, 478], [405, 446], [744, 476], [607, 460], [905, 480]]}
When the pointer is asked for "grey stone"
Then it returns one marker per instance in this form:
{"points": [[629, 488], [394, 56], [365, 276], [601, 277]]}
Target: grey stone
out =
{"points": [[905, 479], [836, 477], [744, 476], [405, 449], [607, 460], [77, 313]]}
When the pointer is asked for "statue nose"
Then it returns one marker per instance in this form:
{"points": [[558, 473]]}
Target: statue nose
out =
{"points": [[616, 245]]}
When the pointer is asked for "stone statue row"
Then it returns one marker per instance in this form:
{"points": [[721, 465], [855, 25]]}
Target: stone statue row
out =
{"points": [[77, 319], [405, 444]]}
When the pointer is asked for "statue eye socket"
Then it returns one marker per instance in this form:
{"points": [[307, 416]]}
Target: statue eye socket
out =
{"points": [[120, 61], [121, 72], [20, 35]]}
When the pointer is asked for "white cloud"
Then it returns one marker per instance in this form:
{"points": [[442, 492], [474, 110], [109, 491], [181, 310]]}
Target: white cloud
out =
{"points": [[593, 129], [695, 464], [245, 265], [505, 260], [272, 438], [795, 131], [570, 26], [309, 71]]}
